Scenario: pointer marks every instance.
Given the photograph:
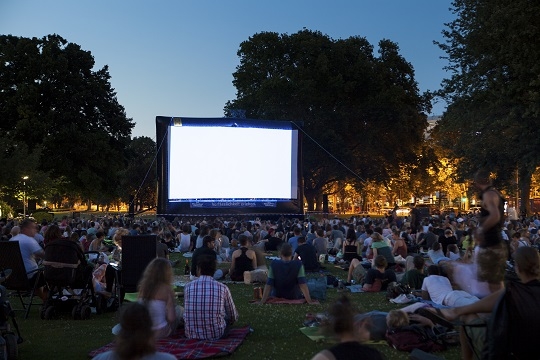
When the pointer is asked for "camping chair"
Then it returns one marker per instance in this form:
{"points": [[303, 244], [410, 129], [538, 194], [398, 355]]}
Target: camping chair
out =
{"points": [[137, 252], [11, 258]]}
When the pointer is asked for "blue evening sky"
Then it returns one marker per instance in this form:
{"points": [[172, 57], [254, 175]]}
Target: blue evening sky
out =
{"points": [[176, 58]]}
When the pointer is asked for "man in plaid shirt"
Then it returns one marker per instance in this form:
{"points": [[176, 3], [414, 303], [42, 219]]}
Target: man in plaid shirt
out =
{"points": [[209, 307]]}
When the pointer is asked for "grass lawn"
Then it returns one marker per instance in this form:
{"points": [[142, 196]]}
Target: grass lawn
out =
{"points": [[275, 335]]}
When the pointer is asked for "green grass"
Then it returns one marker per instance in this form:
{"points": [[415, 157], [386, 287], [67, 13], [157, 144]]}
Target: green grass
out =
{"points": [[275, 335]]}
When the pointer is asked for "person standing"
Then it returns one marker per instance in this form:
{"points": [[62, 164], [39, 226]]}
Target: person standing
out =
{"points": [[209, 307], [492, 253]]}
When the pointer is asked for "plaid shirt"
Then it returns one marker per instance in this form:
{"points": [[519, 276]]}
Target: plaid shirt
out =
{"points": [[209, 308]]}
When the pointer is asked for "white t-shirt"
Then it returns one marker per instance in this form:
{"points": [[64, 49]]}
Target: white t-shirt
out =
{"points": [[185, 241], [438, 287], [29, 246]]}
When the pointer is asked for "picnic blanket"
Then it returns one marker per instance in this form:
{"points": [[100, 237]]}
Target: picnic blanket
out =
{"points": [[184, 348], [275, 300], [314, 333]]}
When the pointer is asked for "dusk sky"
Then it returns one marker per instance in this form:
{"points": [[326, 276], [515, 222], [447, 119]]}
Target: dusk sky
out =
{"points": [[176, 58]]}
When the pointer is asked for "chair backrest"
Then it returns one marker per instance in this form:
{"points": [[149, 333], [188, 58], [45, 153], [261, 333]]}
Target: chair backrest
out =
{"points": [[11, 258], [137, 252], [62, 259]]}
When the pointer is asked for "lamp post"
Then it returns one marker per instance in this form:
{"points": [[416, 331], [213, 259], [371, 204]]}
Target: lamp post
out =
{"points": [[24, 195]]}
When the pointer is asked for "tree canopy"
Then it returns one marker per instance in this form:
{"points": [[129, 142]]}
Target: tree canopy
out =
{"points": [[358, 109], [494, 90], [60, 117]]}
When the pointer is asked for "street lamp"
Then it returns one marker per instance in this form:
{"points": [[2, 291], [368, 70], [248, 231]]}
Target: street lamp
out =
{"points": [[24, 195]]}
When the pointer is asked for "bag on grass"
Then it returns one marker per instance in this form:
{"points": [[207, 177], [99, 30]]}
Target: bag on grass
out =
{"points": [[394, 289], [412, 337], [317, 287]]}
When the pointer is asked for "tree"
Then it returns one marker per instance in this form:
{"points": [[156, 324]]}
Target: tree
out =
{"points": [[356, 109], [494, 90], [64, 112], [140, 176]]}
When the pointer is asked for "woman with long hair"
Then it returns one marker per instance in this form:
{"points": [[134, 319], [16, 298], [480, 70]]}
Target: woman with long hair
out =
{"points": [[53, 233], [135, 339], [351, 246], [155, 291]]}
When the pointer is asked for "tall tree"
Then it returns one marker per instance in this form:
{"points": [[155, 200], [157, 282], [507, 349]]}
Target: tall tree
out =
{"points": [[494, 89], [363, 114], [140, 176], [52, 100]]}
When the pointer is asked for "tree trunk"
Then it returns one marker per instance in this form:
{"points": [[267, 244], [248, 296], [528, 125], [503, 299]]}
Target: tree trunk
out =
{"points": [[89, 205], [525, 176]]}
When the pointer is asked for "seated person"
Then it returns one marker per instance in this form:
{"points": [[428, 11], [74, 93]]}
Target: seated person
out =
{"points": [[381, 247], [209, 307], [357, 272], [436, 254], [307, 254], [155, 291], [273, 240], [320, 243], [378, 278], [415, 276], [206, 249], [453, 252], [242, 260], [341, 324], [135, 338], [30, 251], [286, 278], [438, 289]]}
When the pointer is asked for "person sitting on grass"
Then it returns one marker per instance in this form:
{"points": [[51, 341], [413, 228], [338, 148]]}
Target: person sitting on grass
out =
{"points": [[341, 325], [375, 279], [243, 259], [155, 291], [286, 278], [206, 249], [307, 254], [415, 276], [209, 307], [135, 339]]}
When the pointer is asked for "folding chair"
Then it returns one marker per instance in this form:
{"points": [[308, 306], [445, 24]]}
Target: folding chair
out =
{"points": [[137, 252], [11, 258]]}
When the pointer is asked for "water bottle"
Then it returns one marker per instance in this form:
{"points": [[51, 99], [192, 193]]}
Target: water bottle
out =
{"points": [[187, 270]]}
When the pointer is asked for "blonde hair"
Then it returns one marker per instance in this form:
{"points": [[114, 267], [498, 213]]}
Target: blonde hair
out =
{"points": [[376, 237], [397, 319], [117, 237], [157, 273]]}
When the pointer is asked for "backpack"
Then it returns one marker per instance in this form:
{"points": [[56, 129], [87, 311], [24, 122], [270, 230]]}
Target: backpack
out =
{"points": [[412, 337], [395, 289]]}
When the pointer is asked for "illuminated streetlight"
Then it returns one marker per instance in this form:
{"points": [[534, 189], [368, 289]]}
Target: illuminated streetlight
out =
{"points": [[24, 195]]}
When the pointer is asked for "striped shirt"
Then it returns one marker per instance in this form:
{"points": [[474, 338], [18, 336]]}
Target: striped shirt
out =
{"points": [[209, 308]]}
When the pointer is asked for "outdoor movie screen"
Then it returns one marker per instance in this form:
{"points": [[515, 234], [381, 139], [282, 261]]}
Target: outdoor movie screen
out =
{"points": [[228, 166]]}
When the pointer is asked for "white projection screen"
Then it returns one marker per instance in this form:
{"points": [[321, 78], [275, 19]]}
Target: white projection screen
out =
{"points": [[222, 166]]}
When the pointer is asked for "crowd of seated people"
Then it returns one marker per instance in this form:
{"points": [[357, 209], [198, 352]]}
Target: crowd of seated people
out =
{"points": [[300, 244]]}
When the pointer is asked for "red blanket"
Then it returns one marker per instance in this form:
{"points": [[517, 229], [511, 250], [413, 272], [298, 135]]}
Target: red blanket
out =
{"points": [[275, 300], [184, 348]]}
